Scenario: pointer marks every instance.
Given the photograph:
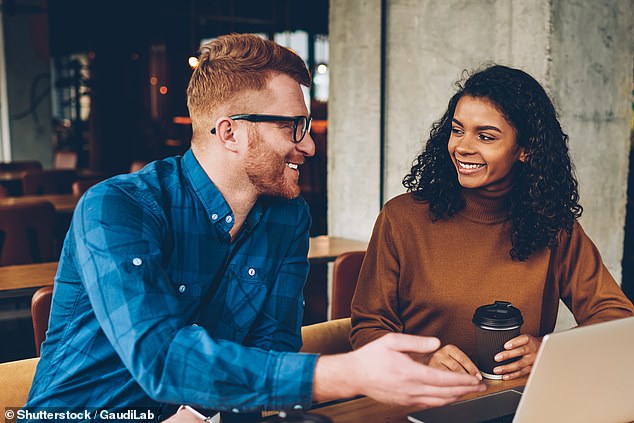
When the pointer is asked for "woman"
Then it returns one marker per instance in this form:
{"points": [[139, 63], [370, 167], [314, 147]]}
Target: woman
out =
{"points": [[490, 214]]}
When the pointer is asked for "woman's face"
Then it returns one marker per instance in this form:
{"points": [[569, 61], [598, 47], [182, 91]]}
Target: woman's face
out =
{"points": [[483, 144]]}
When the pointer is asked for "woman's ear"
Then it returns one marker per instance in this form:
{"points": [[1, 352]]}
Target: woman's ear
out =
{"points": [[523, 155]]}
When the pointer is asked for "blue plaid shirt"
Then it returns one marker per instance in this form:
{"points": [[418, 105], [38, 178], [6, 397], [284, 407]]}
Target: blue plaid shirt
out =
{"points": [[125, 328]]}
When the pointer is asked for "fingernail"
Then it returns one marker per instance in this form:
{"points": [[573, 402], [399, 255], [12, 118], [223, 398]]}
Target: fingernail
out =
{"points": [[498, 357], [505, 377], [497, 370], [479, 376], [508, 346]]}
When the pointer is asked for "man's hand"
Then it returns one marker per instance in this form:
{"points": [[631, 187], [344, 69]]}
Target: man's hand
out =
{"points": [[524, 346], [384, 371], [452, 358]]}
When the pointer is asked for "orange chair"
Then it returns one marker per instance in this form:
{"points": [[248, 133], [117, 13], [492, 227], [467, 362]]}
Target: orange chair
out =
{"points": [[344, 281], [51, 181], [40, 311], [27, 233]]}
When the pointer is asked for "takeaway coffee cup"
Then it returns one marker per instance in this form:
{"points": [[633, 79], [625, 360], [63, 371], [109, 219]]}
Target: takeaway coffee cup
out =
{"points": [[495, 324]]}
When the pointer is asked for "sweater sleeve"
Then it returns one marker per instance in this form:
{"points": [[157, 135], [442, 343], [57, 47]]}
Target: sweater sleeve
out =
{"points": [[374, 309], [586, 285]]}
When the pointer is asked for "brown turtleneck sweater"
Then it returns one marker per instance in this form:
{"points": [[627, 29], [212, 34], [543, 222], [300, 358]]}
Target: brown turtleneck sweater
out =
{"points": [[427, 278]]}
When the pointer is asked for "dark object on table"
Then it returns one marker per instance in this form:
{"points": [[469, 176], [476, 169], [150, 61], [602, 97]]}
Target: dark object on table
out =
{"points": [[297, 417]]}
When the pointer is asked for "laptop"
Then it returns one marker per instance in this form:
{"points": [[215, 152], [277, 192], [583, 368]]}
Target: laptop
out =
{"points": [[581, 375]]}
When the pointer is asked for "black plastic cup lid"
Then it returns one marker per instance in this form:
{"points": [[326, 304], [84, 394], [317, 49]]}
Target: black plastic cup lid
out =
{"points": [[501, 314]]}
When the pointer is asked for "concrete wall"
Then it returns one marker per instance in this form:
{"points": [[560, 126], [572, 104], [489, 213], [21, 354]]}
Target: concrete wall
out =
{"points": [[580, 51], [28, 76]]}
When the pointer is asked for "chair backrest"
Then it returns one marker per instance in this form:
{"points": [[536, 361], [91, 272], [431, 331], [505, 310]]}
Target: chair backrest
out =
{"points": [[65, 160], [18, 165], [81, 186], [27, 233], [40, 312], [345, 273], [137, 165], [16, 378], [331, 337], [50, 181]]}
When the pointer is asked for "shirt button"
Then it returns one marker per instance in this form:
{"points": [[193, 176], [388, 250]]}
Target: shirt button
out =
{"points": [[297, 407], [235, 410], [182, 289], [251, 271], [137, 261], [228, 219], [214, 216]]}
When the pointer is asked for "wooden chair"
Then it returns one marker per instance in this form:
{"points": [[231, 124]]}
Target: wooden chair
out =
{"points": [[27, 233], [331, 337], [80, 186], [344, 281], [16, 378], [51, 181], [40, 312], [19, 165], [137, 165], [65, 160]]}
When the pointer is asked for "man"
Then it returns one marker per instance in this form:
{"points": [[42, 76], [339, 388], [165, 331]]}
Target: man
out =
{"points": [[182, 283]]}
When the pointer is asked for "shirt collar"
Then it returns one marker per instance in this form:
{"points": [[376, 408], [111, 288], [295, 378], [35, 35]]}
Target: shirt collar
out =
{"points": [[214, 203]]}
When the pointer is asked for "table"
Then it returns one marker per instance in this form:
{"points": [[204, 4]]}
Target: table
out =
{"points": [[64, 203], [364, 410], [27, 275], [326, 248]]}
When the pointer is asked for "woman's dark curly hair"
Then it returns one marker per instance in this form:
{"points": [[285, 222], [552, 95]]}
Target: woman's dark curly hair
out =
{"points": [[544, 197]]}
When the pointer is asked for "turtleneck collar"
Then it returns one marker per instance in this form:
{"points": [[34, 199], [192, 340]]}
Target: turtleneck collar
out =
{"points": [[487, 206]]}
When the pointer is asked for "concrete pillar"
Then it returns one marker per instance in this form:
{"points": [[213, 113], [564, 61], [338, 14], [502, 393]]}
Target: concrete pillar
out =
{"points": [[354, 114], [580, 51]]}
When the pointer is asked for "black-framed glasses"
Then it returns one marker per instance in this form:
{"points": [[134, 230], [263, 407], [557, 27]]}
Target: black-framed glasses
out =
{"points": [[301, 124]]}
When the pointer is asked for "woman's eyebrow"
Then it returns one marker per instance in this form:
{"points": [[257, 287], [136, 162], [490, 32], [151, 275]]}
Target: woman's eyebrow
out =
{"points": [[488, 128], [482, 127]]}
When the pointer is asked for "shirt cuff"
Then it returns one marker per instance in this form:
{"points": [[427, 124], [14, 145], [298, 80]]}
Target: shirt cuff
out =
{"points": [[292, 381]]}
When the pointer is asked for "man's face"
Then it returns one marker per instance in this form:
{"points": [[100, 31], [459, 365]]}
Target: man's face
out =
{"points": [[273, 160]]}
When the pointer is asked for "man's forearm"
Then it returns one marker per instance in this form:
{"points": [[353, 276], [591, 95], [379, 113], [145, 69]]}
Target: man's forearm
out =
{"points": [[332, 379]]}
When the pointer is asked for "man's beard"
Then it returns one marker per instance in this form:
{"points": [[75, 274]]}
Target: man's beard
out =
{"points": [[266, 170]]}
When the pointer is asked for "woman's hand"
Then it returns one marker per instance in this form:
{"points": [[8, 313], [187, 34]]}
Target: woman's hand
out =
{"points": [[524, 346], [452, 358]]}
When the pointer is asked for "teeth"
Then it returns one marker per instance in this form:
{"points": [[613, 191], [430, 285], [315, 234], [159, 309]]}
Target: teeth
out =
{"points": [[292, 165], [470, 166]]}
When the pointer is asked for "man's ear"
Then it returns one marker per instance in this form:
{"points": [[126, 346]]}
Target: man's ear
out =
{"points": [[225, 132]]}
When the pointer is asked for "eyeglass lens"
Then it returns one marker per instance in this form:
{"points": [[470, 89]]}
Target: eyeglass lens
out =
{"points": [[302, 126]]}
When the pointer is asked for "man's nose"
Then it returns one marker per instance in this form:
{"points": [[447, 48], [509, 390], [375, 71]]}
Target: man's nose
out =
{"points": [[307, 145]]}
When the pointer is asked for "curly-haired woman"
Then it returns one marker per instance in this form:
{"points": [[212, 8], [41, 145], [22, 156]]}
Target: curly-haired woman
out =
{"points": [[490, 214]]}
